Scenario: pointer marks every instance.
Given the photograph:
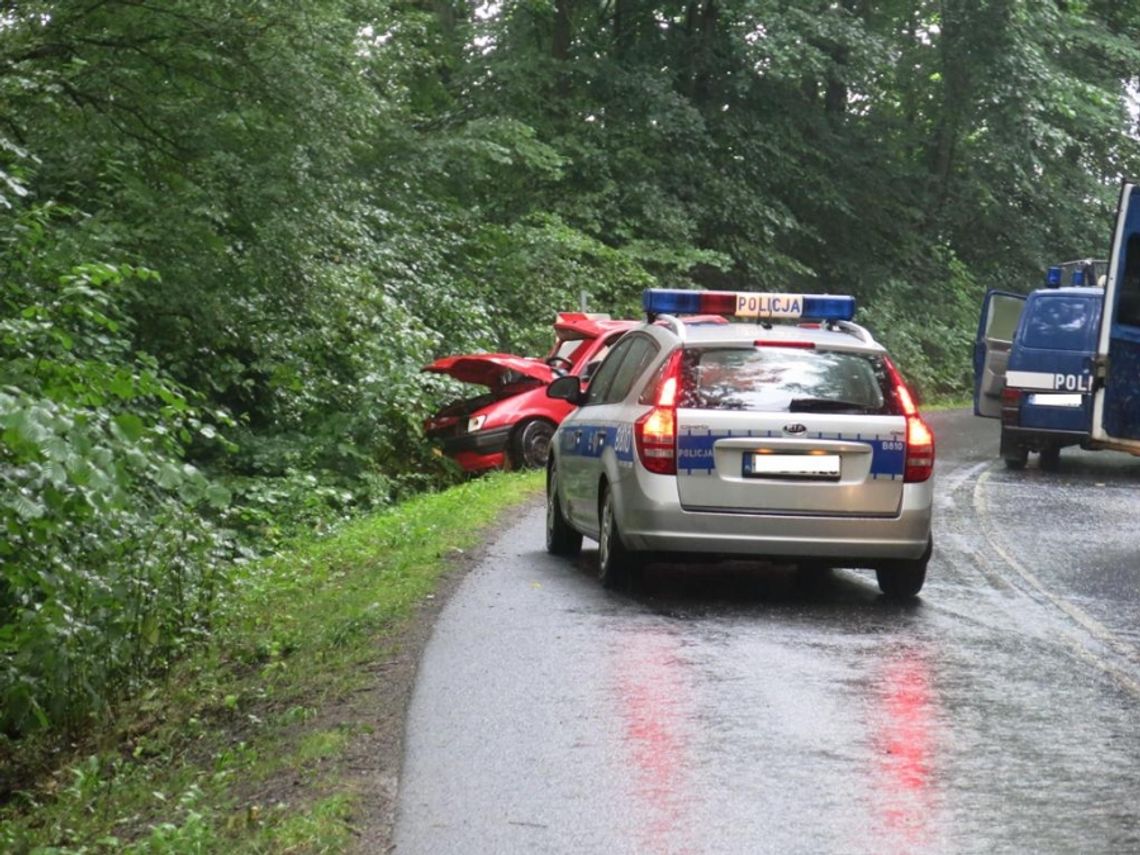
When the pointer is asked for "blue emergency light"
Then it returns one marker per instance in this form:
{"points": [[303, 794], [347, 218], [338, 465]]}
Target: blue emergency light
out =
{"points": [[749, 304], [1078, 277], [1053, 277]]}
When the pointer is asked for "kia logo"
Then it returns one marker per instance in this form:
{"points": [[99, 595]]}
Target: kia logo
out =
{"points": [[795, 428]]}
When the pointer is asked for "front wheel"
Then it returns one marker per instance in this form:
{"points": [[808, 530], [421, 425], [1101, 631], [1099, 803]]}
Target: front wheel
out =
{"points": [[903, 579], [1051, 458], [530, 444], [616, 563]]}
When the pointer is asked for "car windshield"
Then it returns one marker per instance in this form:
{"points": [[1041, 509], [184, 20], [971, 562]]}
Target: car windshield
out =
{"points": [[784, 379], [565, 348]]}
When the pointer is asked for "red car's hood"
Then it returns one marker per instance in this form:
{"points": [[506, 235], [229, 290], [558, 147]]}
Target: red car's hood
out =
{"points": [[490, 369]]}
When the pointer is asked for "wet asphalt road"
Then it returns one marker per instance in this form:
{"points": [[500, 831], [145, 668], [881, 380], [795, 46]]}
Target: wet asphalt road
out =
{"points": [[736, 711]]}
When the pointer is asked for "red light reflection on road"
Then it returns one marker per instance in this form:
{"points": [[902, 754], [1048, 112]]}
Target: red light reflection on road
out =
{"points": [[652, 699], [905, 725]]}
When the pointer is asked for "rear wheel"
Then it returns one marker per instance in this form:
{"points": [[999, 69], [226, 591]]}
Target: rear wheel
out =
{"points": [[1013, 453], [1051, 458], [530, 444], [1015, 458], [561, 539], [811, 574], [616, 564], [903, 579]]}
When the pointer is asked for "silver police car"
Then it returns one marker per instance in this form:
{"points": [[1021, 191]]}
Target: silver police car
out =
{"points": [[794, 442]]}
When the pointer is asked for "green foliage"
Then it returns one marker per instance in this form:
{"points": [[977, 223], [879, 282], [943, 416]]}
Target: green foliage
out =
{"points": [[107, 564], [242, 747]]}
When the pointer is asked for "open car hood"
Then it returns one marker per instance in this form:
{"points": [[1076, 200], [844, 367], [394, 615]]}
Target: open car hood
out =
{"points": [[572, 326], [490, 369]]}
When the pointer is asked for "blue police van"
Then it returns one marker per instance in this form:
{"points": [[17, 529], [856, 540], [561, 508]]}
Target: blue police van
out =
{"points": [[1061, 366], [1033, 362]]}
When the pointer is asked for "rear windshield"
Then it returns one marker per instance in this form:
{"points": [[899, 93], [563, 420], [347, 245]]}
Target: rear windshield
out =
{"points": [[785, 379], [1060, 322]]}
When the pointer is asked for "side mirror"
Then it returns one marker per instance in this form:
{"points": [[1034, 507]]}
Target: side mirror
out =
{"points": [[565, 388]]}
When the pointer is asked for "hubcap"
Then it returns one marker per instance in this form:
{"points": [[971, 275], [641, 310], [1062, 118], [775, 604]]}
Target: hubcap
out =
{"points": [[536, 448]]}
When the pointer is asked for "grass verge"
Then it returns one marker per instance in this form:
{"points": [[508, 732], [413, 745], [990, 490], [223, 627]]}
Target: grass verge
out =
{"points": [[283, 732]]}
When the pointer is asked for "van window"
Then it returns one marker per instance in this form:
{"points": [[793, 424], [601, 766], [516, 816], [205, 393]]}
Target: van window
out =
{"points": [[1005, 312], [1060, 322]]}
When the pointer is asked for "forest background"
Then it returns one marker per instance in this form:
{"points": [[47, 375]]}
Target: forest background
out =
{"points": [[231, 233]]}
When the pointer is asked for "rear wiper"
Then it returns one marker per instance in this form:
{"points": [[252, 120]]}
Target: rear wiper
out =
{"points": [[826, 405]]}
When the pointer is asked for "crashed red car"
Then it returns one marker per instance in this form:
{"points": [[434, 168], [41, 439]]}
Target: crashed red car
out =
{"points": [[512, 423]]}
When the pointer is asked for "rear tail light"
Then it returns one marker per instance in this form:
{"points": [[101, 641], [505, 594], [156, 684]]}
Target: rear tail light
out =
{"points": [[655, 433], [1010, 406], [919, 450], [919, 455]]}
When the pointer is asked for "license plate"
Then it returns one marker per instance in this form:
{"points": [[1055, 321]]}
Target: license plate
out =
{"points": [[1046, 400], [808, 466]]}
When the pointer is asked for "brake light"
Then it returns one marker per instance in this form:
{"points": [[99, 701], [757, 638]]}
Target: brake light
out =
{"points": [[767, 342], [655, 433], [1010, 406], [918, 459]]}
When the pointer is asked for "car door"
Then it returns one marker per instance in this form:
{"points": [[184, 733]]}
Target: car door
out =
{"points": [[604, 414], [578, 441], [1116, 402], [1001, 312]]}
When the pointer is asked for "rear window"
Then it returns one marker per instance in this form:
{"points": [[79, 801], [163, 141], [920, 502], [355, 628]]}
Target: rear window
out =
{"points": [[784, 379], [1060, 322]]}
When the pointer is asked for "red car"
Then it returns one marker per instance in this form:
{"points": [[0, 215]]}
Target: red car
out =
{"points": [[511, 425]]}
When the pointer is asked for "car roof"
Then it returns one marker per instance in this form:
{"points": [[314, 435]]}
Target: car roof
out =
{"points": [[849, 337]]}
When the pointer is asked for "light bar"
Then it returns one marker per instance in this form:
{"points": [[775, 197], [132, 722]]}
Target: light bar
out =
{"points": [[1053, 277], [748, 304], [1078, 277]]}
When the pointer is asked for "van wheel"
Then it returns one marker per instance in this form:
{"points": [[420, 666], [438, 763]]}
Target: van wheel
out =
{"points": [[1015, 458], [617, 565], [530, 444], [561, 539], [1051, 458], [903, 579]]}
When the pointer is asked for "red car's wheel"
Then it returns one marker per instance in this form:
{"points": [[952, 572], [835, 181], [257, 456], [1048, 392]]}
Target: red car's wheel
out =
{"points": [[530, 444]]}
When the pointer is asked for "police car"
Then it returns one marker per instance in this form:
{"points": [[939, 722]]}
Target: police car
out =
{"points": [[1033, 362], [791, 442]]}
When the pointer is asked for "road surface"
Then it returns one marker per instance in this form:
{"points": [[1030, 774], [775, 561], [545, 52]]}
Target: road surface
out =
{"points": [[734, 710]]}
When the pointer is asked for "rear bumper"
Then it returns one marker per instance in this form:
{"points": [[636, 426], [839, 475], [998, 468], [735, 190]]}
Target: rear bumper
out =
{"points": [[1036, 438], [650, 518]]}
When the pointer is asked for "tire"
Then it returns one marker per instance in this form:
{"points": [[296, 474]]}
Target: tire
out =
{"points": [[530, 444], [810, 574], [1016, 458], [1013, 453], [1051, 458], [813, 571], [902, 580], [561, 539], [617, 566]]}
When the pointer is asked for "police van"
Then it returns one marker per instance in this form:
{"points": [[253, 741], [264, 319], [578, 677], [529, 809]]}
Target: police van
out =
{"points": [[1039, 374], [1033, 362]]}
